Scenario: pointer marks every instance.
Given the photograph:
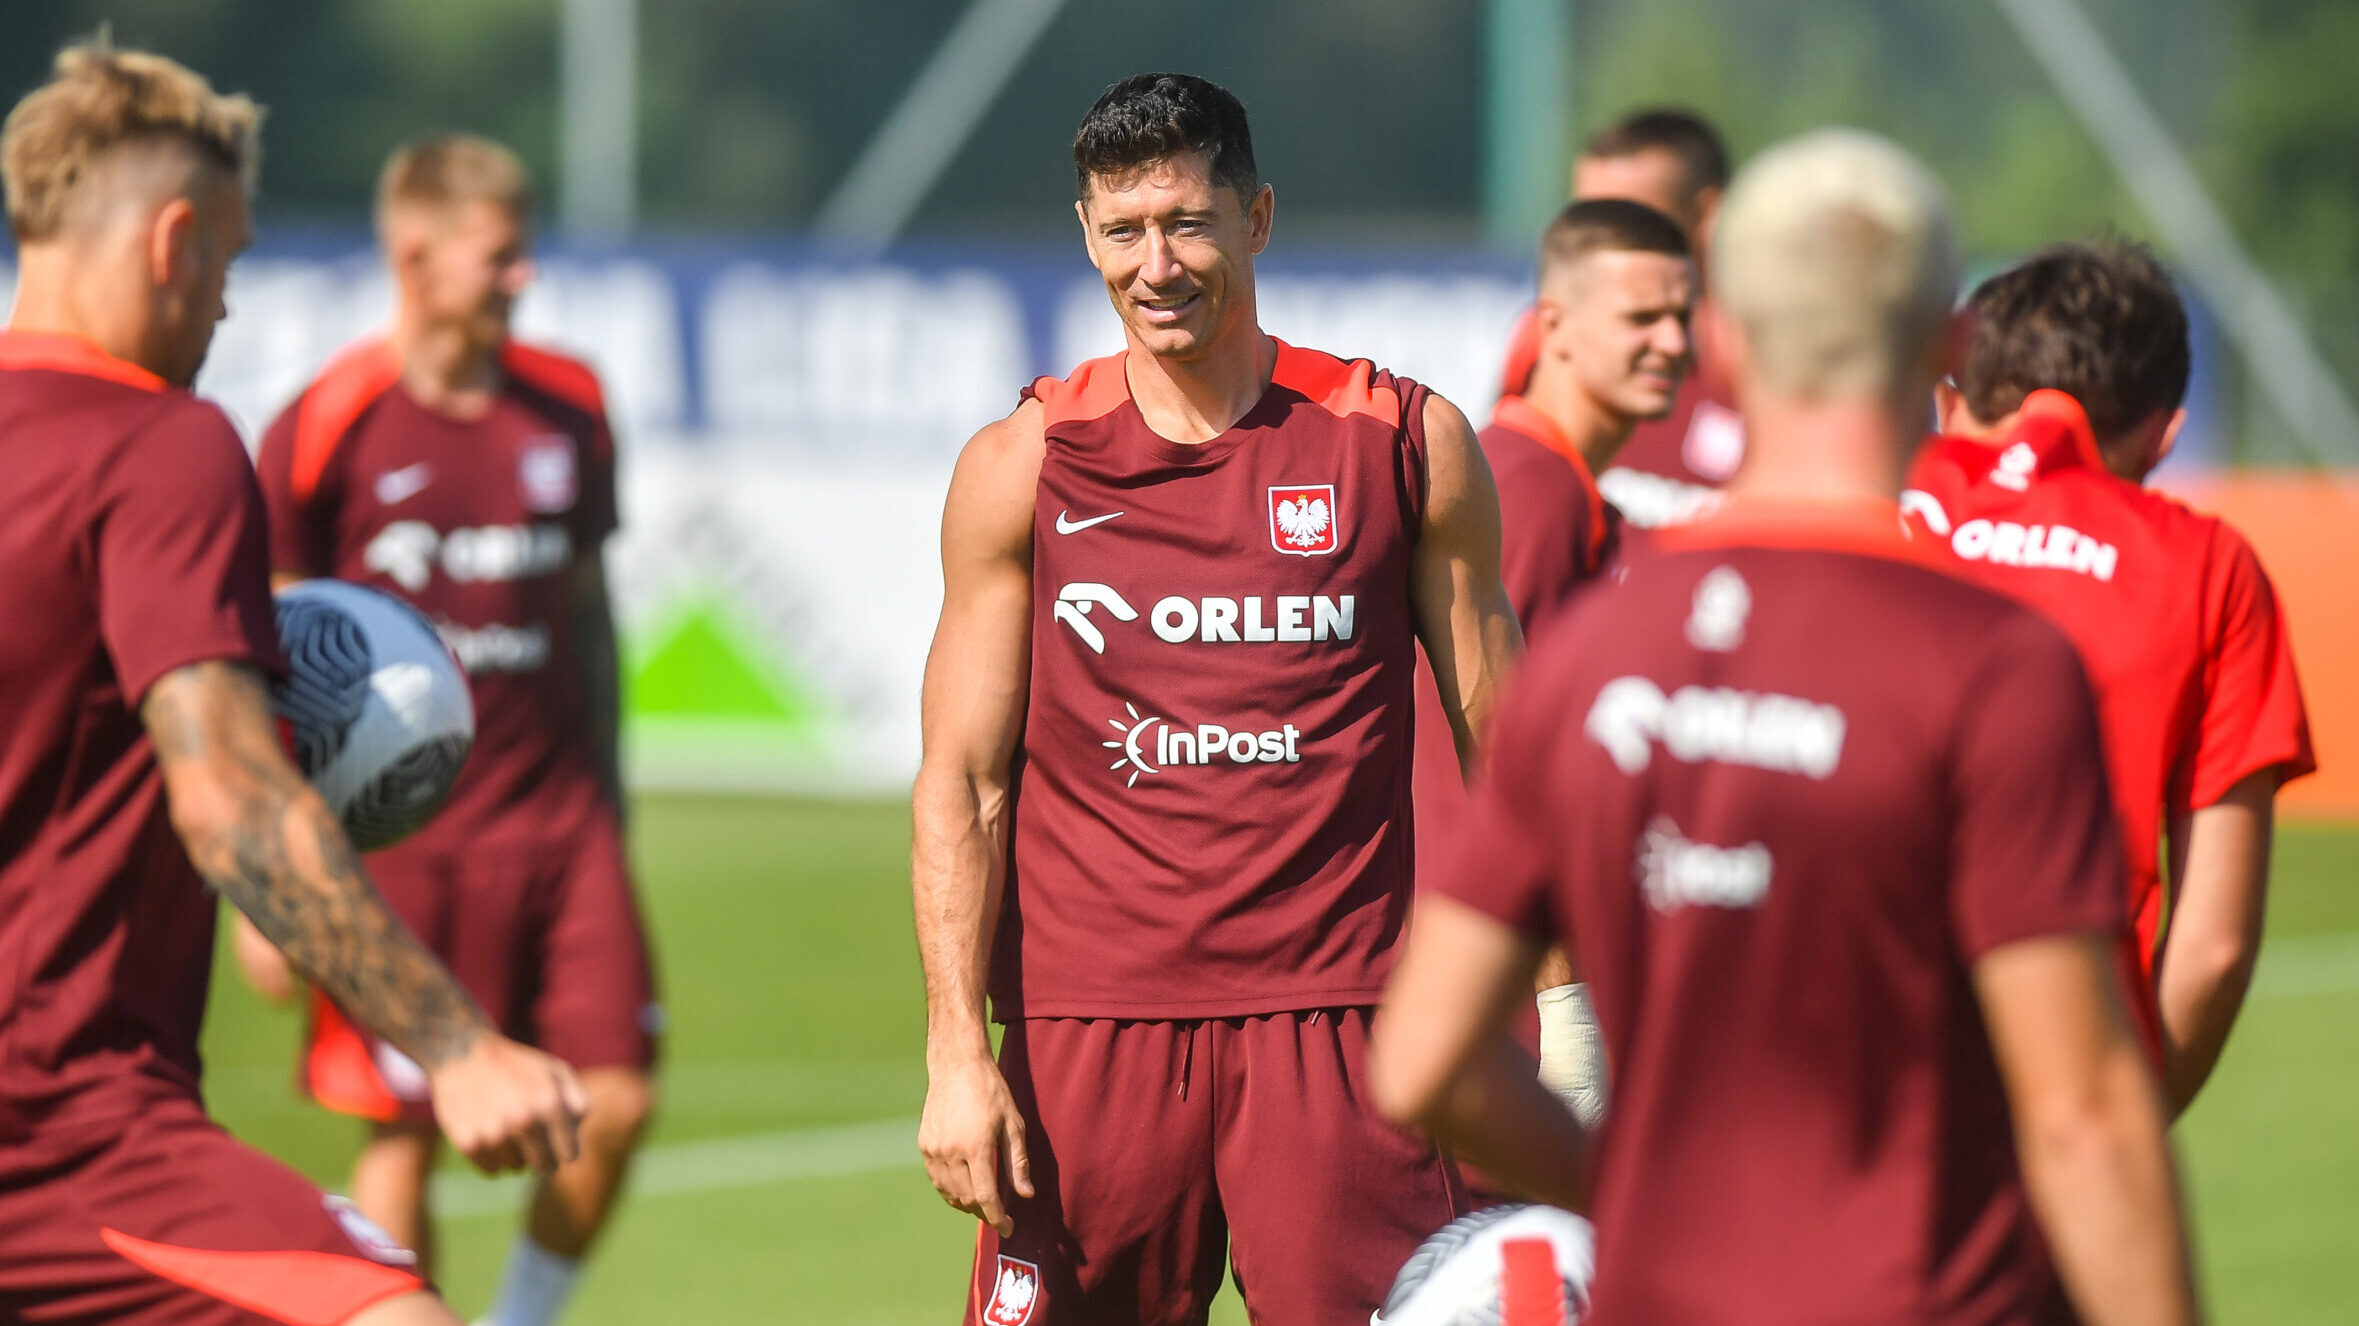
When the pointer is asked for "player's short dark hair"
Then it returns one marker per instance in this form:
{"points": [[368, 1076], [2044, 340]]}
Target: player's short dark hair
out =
{"points": [[1148, 118], [1703, 157], [2100, 321], [1609, 225]]}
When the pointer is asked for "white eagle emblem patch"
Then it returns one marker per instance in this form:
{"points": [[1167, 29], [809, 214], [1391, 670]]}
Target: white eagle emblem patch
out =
{"points": [[1304, 520], [1013, 1293], [545, 473]]}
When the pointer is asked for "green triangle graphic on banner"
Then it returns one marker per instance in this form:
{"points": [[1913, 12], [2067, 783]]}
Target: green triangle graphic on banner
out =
{"points": [[707, 667]]}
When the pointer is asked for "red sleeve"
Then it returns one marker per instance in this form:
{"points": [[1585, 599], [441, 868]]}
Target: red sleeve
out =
{"points": [[2034, 849], [1497, 855], [301, 534], [183, 573], [598, 513], [2252, 703]]}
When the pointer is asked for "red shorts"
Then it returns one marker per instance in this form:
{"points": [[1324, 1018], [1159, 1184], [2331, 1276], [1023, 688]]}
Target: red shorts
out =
{"points": [[161, 1217], [546, 937], [1161, 1149]]}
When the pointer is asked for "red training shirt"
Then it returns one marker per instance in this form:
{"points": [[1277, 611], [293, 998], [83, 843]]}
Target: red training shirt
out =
{"points": [[1779, 788], [2171, 612], [1212, 790], [131, 537], [483, 525]]}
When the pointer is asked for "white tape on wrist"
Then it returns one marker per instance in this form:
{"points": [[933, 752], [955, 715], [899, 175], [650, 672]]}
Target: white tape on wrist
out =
{"points": [[1572, 1052]]}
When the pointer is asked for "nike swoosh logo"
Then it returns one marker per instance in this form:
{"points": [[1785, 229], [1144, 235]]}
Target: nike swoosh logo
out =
{"points": [[1067, 525], [397, 486]]}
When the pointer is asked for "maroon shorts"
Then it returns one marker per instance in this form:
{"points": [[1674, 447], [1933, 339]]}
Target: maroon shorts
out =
{"points": [[161, 1217], [546, 937], [1162, 1149]]}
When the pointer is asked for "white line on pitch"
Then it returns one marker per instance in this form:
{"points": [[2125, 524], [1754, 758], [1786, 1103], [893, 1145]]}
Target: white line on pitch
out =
{"points": [[715, 1165]]}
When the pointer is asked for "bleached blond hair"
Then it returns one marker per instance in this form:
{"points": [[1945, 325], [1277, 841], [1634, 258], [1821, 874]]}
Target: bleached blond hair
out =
{"points": [[100, 101], [1836, 255]]}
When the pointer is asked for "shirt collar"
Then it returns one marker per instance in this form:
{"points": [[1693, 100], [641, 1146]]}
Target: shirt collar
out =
{"points": [[1514, 412], [65, 353]]}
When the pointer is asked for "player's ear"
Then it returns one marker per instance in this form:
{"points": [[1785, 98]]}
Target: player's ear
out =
{"points": [[2170, 436], [1707, 208], [171, 237], [1259, 214], [1949, 410], [1089, 239]]}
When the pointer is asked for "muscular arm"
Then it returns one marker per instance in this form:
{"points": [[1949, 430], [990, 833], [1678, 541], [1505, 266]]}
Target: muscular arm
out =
{"points": [[1441, 1057], [2219, 891], [1463, 615], [2088, 1129], [972, 711], [262, 837], [601, 667]]}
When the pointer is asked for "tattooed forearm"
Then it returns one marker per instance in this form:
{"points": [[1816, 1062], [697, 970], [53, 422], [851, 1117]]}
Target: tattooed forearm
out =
{"points": [[261, 836]]}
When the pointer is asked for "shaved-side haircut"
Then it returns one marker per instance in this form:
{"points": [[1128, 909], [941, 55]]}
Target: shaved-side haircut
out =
{"points": [[100, 104], [1607, 225]]}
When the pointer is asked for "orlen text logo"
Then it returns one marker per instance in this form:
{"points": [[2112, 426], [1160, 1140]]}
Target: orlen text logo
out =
{"points": [[1152, 744], [1213, 619], [407, 552], [1697, 723]]}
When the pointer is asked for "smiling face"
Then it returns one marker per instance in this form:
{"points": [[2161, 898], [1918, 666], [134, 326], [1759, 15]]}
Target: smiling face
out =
{"points": [[1618, 320], [1176, 251]]}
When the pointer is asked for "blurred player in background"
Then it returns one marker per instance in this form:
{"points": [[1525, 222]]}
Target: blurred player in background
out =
{"points": [[1617, 285], [474, 476], [1163, 812], [1673, 161], [1827, 828], [136, 739], [2067, 397]]}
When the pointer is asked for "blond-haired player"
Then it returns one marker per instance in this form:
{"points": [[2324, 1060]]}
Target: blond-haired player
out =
{"points": [[1827, 830], [474, 475], [136, 741]]}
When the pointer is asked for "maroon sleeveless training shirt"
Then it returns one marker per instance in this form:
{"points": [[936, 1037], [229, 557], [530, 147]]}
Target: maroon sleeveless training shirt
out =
{"points": [[1212, 793]]}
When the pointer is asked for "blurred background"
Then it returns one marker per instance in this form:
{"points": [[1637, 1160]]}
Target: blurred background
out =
{"points": [[813, 244]]}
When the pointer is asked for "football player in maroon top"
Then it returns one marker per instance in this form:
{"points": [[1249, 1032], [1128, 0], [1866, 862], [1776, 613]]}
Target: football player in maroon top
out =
{"points": [[136, 741], [1828, 832], [1617, 284], [2067, 396], [1673, 466], [1162, 821], [474, 476]]}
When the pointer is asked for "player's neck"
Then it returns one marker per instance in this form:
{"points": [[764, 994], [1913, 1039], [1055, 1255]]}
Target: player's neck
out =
{"points": [[56, 296], [443, 368], [1823, 451], [1594, 429], [1199, 399]]}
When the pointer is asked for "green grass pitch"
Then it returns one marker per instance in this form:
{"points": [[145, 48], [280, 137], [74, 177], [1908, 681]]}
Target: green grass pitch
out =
{"points": [[782, 1183]]}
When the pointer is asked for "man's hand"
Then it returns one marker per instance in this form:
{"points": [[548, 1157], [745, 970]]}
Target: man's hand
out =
{"points": [[969, 1117], [508, 1106], [264, 966]]}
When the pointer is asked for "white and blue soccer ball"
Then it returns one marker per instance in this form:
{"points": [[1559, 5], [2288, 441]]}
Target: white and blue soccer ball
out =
{"points": [[1459, 1276], [378, 710]]}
